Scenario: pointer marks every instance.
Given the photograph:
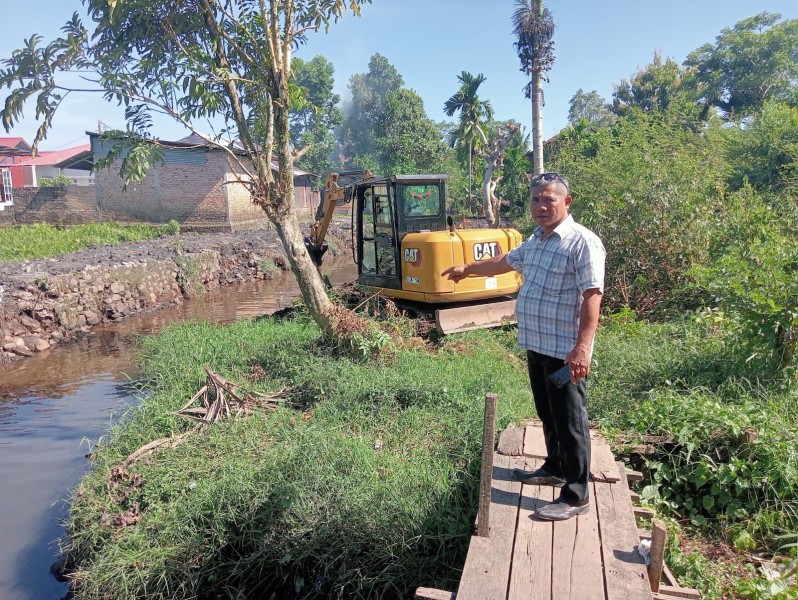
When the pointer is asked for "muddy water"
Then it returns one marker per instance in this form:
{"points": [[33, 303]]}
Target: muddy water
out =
{"points": [[53, 405]]}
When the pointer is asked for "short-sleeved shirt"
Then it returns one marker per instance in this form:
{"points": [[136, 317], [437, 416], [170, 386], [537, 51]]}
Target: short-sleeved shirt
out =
{"points": [[557, 271]]}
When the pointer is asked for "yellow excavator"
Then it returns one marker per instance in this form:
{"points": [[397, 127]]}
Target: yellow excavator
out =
{"points": [[402, 240]]}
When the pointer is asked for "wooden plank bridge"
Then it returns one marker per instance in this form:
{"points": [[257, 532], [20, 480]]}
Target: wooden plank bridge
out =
{"points": [[590, 557]]}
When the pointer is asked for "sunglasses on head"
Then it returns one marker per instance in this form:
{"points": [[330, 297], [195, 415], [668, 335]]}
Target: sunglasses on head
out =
{"points": [[543, 178]]}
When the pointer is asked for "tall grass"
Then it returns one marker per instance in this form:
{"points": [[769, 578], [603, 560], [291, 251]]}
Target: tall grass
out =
{"points": [[27, 242], [371, 490], [367, 493]]}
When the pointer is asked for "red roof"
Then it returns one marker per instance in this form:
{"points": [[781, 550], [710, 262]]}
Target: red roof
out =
{"points": [[15, 142], [45, 158]]}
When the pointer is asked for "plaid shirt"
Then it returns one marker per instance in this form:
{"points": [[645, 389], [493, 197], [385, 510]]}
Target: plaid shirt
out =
{"points": [[557, 271]]}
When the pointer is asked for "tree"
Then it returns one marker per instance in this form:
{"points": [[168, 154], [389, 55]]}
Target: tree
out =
{"points": [[369, 93], [493, 154], [227, 60], [533, 25], [315, 117], [590, 109], [474, 113], [407, 140], [753, 61], [514, 184], [657, 87]]}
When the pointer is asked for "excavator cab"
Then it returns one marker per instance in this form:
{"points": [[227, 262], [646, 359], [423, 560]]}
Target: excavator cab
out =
{"points": [[387, 209]]}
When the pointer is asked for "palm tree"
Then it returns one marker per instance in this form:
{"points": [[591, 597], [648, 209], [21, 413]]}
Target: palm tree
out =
{"points": [[534, 27], [474, 113]]}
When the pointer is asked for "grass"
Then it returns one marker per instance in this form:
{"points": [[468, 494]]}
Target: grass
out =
{"points": [[371, 490], [28, 242], [368, 493]]}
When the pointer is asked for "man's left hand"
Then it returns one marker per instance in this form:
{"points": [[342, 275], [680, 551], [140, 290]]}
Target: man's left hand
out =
{"points": [[579, 359]]}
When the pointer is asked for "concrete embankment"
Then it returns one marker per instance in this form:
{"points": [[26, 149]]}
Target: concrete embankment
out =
{"points": [[48, 302]]}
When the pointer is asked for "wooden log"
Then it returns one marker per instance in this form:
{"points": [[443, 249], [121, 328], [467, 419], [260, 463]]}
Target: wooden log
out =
{"points": [[633, 475], [423, 593], [657, 554], [667, 592], [488, 437]]}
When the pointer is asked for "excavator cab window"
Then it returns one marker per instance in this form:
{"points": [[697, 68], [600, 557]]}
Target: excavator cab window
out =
{"points": [[368, 263], [421, 200]]}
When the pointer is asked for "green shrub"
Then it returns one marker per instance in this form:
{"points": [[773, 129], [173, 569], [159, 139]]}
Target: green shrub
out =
{"points": [[59, 181]]}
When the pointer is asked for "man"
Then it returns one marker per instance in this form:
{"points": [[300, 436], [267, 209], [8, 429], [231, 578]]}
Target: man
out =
{"points": [[557, 312]]}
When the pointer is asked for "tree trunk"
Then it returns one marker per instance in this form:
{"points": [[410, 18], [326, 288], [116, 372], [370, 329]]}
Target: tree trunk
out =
{"points": [[470, 176], [310, 283], [491, 217], [537, 124]]}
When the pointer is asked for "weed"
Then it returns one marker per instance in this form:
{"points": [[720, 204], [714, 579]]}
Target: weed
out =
{"points": [[27, 242], [170, 228]]}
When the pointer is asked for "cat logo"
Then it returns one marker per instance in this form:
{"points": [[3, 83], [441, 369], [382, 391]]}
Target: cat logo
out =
{"points": [[483, 250], [413, 256]]}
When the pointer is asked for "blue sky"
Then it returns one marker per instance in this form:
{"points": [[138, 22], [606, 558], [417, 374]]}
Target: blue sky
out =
{"points": [[431, 41]]}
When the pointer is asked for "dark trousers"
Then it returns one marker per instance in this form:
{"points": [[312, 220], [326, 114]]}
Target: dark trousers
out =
{"points": [[565, 427]]}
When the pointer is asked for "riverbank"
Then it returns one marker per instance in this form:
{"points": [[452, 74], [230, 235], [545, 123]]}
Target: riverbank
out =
{"points": [[363, 483], [51, 301]]}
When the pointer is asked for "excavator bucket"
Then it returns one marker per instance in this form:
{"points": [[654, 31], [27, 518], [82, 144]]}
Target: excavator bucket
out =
{"points": [[475, 316]]}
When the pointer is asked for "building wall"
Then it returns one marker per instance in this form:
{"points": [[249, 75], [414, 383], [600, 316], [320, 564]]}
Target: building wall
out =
{"points": [[187, 187], [71, 205]]}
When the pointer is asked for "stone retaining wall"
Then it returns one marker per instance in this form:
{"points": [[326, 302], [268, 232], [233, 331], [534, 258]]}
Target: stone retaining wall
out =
{"points": [[60, 307]]}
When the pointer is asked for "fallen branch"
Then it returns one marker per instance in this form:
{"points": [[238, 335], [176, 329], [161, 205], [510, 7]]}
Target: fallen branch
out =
{"points": [[219, 399]]}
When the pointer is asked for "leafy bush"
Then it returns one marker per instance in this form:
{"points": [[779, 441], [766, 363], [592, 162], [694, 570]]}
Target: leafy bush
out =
{"points": [[647, 186], [753, 276], [59, 181]]}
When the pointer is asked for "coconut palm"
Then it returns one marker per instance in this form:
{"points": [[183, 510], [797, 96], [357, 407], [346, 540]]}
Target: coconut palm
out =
{"points": [[533, 25], [474, 114]]}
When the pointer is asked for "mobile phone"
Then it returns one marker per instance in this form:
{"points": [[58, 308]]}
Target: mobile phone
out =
{"points": [[561, 376]]}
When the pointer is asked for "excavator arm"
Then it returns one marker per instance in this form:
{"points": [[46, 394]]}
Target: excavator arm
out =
{"points": [[338, 190]]}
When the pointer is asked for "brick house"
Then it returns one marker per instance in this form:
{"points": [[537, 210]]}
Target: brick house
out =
{"points": [[196, 185]]}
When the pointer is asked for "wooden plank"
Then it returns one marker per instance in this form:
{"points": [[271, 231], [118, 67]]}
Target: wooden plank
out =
{"points": [[511, 441], [633, 475], [530, 577], [576, 570], [635, 497], [535, 442], [477, 571], [657, 553], [667, 577], [602, 462], [625, 574], [670, 591], [643, 513], [486, 573], [423, 593]]}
